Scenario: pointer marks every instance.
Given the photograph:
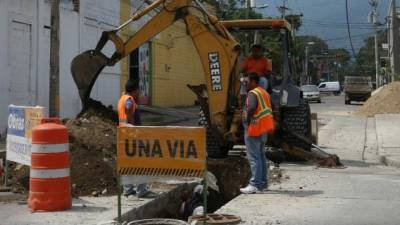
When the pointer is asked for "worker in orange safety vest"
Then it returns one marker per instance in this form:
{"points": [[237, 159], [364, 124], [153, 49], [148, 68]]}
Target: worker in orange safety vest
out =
{"points": [[258, 122], [128, 116]]}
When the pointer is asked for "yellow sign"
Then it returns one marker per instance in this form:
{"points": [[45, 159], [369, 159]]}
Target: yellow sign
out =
{"points": [[161, 151], [33, 116]]}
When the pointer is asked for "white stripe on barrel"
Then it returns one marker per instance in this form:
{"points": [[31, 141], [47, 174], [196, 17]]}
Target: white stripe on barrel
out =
{"points": [[49, 173], [49, 148]]}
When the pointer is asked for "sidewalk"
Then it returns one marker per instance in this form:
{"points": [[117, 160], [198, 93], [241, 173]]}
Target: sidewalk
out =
{"points": [[364, 192], [388, 135]]}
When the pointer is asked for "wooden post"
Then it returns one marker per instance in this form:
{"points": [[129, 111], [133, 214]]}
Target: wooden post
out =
{"points": [[314, 127], [54, 82]]}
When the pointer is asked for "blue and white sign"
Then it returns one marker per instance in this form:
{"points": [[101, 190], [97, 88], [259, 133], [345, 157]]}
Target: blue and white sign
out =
{"points": [[16, 121], [21, 120]]}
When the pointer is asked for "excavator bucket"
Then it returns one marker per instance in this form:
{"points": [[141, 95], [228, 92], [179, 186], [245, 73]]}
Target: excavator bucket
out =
{"points": [[85, 69]]}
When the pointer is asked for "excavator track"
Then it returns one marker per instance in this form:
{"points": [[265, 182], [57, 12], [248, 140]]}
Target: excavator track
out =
{"points": [[297, 119], [214, 149]]}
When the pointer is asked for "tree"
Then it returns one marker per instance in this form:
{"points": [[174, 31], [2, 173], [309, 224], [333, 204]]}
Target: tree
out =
{"points": [[342, 56], [316, 47], [341, 62], [294, 20], [233, 9], [365, 60]]}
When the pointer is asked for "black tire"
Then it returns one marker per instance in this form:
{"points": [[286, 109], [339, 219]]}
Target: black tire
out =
{"points": [[214, 149], [298, 120], [319, 101]]}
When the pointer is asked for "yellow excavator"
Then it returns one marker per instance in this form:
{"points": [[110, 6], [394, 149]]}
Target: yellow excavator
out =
{"points": [[219, 52]]}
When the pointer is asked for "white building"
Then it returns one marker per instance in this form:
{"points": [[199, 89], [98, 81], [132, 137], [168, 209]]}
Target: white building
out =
{"points": [[24, 55]]}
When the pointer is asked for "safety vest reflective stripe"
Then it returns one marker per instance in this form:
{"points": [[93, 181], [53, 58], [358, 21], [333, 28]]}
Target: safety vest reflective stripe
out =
{"points": [[265, 110], [263, 113], [123, 120], [49, 148], [49, 173], [260, 98]]}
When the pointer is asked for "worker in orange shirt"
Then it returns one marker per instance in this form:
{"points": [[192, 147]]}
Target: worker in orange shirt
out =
{"points": [[128, 117], [259, 64]]}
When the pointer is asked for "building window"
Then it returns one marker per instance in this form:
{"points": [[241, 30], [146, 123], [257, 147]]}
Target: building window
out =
{"points": [[134, 65]]}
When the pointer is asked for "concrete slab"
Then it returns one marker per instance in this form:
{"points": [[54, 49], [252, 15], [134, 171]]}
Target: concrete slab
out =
{"points": [[388, 130], [330, 197], [365, 192], [388, 138], [85, 210]]}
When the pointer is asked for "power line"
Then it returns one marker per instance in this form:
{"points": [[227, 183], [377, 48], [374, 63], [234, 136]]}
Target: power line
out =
{"points": [[348, 29], [336, 22], [353, 36], [337, 27], [300, 11]]}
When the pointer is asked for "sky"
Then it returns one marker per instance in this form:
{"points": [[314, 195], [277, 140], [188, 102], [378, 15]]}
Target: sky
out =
{"points": [[327, 19]]}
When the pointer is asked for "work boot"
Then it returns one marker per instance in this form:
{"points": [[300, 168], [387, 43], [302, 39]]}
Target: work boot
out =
{"points": [[147, 194], [250, 189], [128, 192]]}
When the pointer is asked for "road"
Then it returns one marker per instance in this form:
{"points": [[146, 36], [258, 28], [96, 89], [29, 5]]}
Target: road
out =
{"points": [[363, 193]]}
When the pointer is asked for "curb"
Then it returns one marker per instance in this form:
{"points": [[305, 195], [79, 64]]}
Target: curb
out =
{"points": [[386, 160]]}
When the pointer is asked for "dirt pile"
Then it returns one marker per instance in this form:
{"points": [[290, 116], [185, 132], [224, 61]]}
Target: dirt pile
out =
{"points": [[385, 101], [96, 108], [93, 150], [93, 133]]}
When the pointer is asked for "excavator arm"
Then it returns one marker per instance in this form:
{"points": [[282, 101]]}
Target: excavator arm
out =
{"points": [[217, 49]]}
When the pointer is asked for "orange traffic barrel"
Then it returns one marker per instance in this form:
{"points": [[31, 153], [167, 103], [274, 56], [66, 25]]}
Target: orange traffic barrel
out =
{"points": [[50, 184]]}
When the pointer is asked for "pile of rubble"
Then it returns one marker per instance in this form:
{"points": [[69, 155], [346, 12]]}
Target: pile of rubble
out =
{"points": [[93, 150], [387, 100]]}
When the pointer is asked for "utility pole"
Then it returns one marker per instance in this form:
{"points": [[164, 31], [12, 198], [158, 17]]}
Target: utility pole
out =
{"points": [[394, 50], [282, 9], [374, 20], [247, 15], [248, 8], [308, 44], [54, 82], [306, 67]]}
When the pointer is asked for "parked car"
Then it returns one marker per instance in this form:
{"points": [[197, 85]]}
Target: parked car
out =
{"points": [[311, 93], [357, 88], [330, 87]]}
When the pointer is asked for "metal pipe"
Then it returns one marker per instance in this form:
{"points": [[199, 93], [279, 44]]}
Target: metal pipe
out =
{"points": [[140, 14], [202, 7]]}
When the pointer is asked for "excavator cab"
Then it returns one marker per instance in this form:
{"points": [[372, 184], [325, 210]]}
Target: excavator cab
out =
{"points": [[285, 94]]}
